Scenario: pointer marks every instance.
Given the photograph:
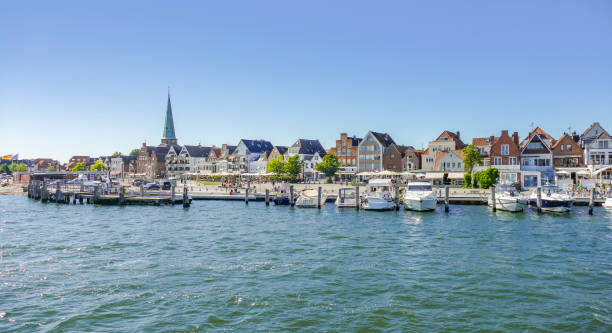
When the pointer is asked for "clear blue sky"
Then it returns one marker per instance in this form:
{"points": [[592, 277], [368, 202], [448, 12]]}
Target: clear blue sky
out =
{"points": [[80, 78]]}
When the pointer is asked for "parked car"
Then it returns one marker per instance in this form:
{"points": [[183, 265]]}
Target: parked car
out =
{"points": [[138, 182], [166, 185], [152, 186]]}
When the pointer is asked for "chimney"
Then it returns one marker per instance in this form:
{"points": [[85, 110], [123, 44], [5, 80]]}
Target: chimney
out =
{"points": [[491, 139], [458, 135], [515, 138]]}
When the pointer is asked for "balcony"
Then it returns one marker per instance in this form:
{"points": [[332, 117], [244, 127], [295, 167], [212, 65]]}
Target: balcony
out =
{"points": [[546, 168], [512, 167]]}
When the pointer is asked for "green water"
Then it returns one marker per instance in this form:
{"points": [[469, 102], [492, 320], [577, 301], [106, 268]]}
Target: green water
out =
{"points": [[226, 266]]}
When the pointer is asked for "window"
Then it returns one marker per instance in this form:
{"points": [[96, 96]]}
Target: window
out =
{"points": [[562, 147], [505, 149], [392, 156], [497, 161], [535, 145], [512, 161], [569, 148]]}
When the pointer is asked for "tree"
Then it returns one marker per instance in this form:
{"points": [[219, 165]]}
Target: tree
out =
{"points": [[79, 167], [4, 168], [118, 154], [294, 166], [135, 152], [487, 177], [329, 166], [471, 158], [21, 167], [98, 166], [276, 166]]}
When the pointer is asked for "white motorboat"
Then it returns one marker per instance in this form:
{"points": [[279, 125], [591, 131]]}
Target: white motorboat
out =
{"points": [[347, 197], [420, 196], [507, 198], [309, 199], [554, 199], [608, 203], [378, 195]]}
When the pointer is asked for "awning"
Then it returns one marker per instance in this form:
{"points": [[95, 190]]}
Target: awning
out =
{"points": [[114, 173], [563, 173], [455, 175], [434, 175]]}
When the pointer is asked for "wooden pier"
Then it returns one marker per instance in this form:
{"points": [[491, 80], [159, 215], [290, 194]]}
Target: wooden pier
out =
{"points": [[116, 196]]}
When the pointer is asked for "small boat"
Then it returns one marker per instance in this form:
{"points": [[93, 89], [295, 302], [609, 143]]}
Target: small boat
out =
{"points": [[310, 199], [281, 197], [554, 200], [507, 198], [347, 197], [419, 196], [608, 203], [378, 195]]}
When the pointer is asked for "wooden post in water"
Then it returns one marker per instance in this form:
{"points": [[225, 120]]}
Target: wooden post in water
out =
{"points": [[246, 196], [446, 208], [357, 198], [291, 195], [45, 193], [338, 198], [122, 195], [141, 190], [267, 197], [493, 203], [172, 191], [591, 201], [186, 202], [539, 199], [319, 197], [96, 194], [397, 198]]}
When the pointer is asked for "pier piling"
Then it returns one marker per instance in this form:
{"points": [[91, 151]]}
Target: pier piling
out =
{"points": [[319, 197], [122, 195], [357, 198], [246, 196], [493, 203], [539, 199], [267, 197], [172, 193], [186, 202], [591, 201], [397, 199], [291, 195], [446, 208]]}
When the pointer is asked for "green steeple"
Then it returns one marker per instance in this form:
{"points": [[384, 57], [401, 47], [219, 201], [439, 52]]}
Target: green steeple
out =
{"points": [[169, 137]]}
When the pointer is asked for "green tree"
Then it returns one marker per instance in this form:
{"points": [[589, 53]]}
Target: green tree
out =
{"points": [[135, 152], [471, 158], [486, 178], [98, 166], [4, 168], [329, 166], [467, 180], [118, 154], [276, 166], [79, 167], [293, 167]]}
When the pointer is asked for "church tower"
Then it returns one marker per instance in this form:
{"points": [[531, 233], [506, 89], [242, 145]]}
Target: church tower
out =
{"points": [[169, 138]]}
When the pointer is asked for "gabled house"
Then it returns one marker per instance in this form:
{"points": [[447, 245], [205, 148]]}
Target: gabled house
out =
{"points": [[446, 141], [505, 156], [151, 160], [279, 151], [392, 158], [311, 152], [371, 151], [121, 165], [411, 158], [597, 145], [537, 160], [247, 152], [346, 151], [567, 153], [449, 161]]}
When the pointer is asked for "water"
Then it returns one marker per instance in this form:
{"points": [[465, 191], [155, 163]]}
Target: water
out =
{"points": [[223, 266]]}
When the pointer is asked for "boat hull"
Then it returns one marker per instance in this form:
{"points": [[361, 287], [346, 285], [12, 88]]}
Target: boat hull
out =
{"points": [[282, 201], [420, 205], [607, 204], [348, 203], [553, 206], [508, 205], [377, 204]]}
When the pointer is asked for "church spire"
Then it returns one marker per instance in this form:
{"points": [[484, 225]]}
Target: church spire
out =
{"points": [[168, 137]]}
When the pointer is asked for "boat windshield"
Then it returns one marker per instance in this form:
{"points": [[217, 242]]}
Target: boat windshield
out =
{"points": [[419, 187]]}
